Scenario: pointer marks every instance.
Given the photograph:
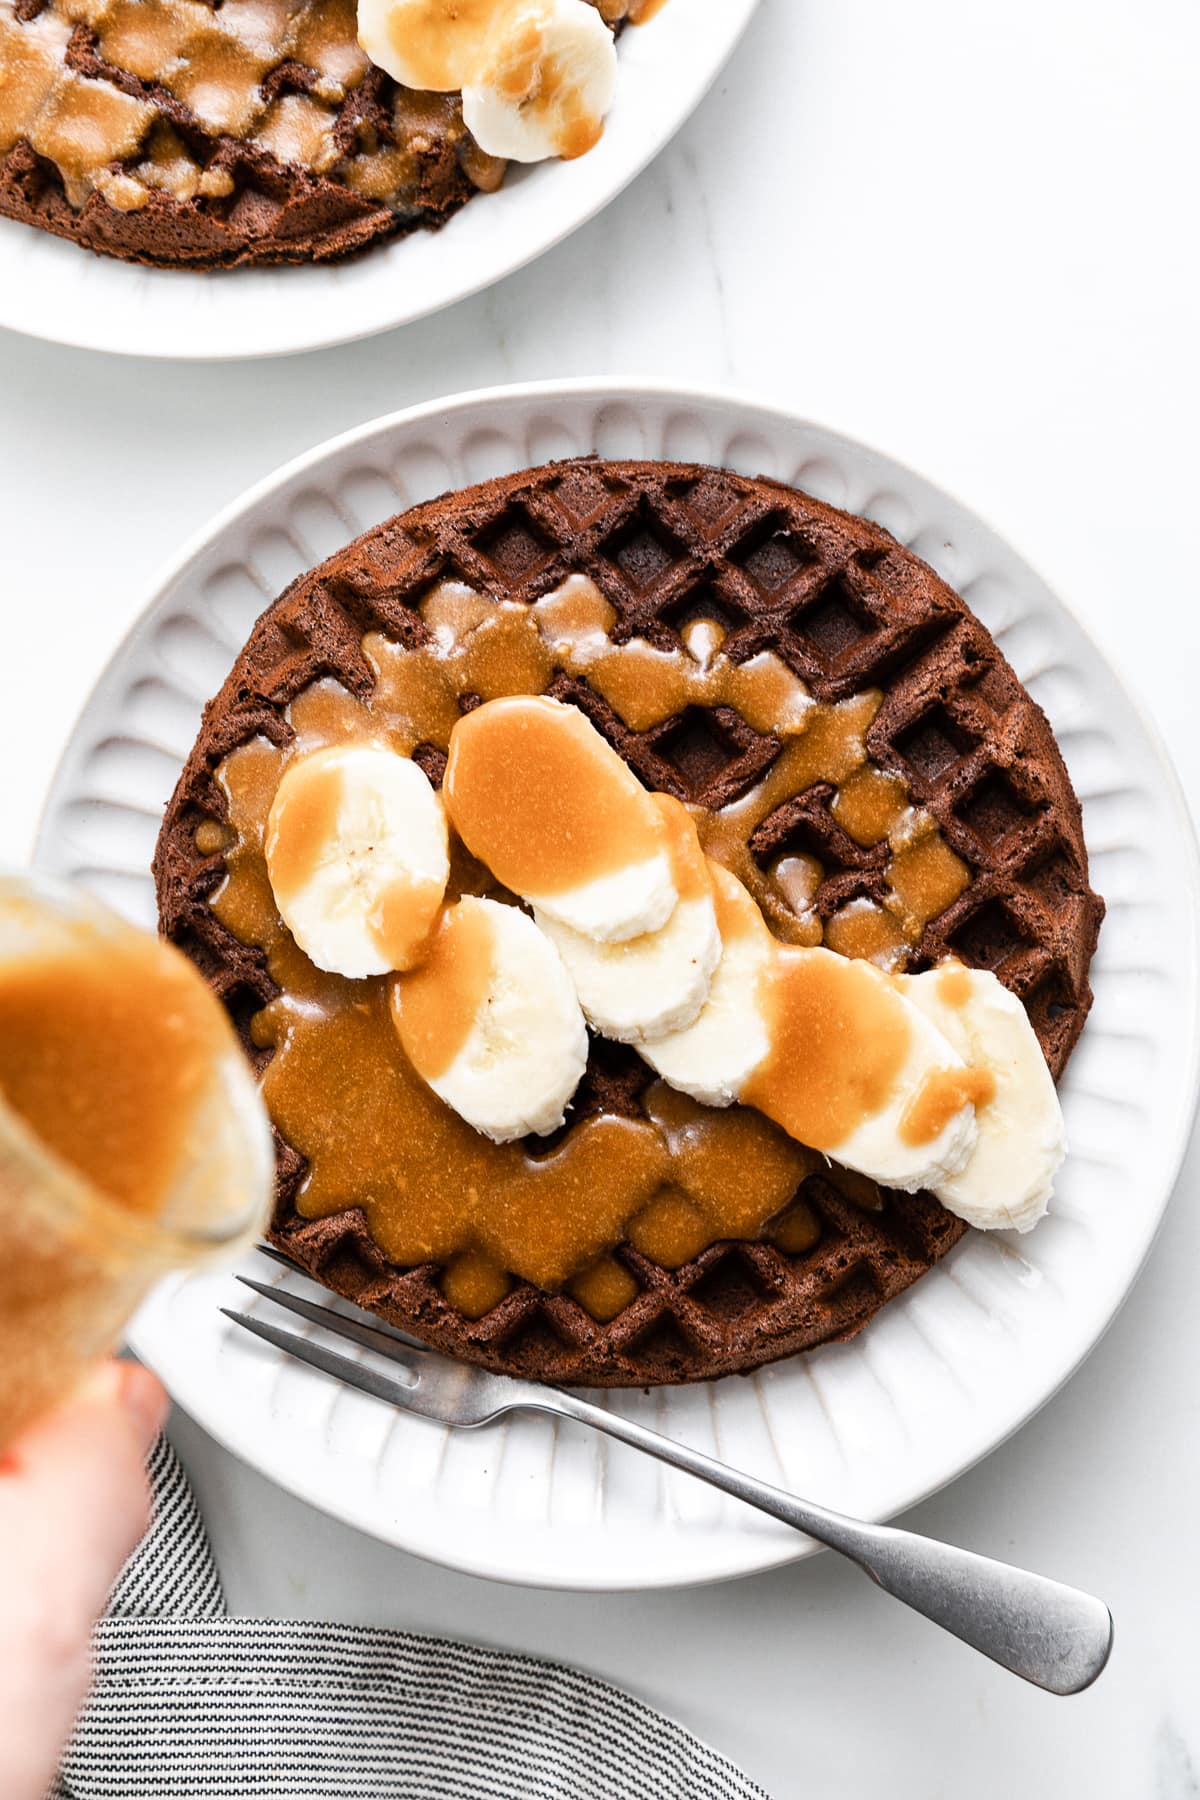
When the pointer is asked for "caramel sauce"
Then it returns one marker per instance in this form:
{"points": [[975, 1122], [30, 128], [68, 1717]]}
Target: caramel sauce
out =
{"points": [[869, 805], [167, 166], [474, 1284], [637, 12], [830, 747], [646, 685], [435, 1006], [106, 1055], [211, 836], [954, 984], [798, 879], [864, 930], [538, 796], [444, 43], [299, 129], [301, 823], [215, 60], [798, 1228], [839, 1036], [927, 878], [575, 129], [670, 1231], [541, 86], [342, 1090], [605, 1289], [404, 916], [689, 865], [939, 1097], [80, 125], [385, 170]]}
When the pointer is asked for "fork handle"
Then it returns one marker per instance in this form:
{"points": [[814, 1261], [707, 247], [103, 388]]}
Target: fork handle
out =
{"points": [[1056, 1637]]}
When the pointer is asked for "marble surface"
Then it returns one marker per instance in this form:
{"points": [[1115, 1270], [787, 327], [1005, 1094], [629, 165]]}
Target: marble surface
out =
{"points": [[964, 234]]}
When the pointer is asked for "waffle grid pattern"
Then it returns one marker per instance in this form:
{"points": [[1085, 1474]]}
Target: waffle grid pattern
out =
{"points": [[849, 609]]}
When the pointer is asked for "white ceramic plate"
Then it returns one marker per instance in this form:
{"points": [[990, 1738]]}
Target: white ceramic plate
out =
{"points": [[52, 289], [946, 1371]]}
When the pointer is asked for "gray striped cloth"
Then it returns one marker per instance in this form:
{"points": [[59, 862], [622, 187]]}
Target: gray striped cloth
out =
{"points": [[190, 1704]]}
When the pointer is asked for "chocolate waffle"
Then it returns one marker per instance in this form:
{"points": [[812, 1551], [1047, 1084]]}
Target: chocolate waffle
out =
{"points": [[186, 133], [873, 633]]}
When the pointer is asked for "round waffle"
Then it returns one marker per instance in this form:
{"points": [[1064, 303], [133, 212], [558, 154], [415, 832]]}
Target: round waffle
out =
{"points": [[182, 133], [849, 610]]}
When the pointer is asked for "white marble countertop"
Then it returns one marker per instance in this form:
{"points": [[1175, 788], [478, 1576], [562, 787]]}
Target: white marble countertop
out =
{"points": [[967, 235]]}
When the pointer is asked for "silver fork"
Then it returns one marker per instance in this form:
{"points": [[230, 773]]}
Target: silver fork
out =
{"points": [[1053, 1636]]}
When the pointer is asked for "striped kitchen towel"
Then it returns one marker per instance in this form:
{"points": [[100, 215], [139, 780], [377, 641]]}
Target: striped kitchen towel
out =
{"points": [[191, 1704]]}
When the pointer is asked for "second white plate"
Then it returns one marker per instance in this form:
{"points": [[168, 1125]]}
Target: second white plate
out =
{"points": [[947, 1371], [52, 289]]}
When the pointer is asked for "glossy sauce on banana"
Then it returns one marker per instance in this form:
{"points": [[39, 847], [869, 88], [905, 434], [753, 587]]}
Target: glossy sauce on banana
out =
{"points": [[542, 801], [675, 1178], [436, 1006]]}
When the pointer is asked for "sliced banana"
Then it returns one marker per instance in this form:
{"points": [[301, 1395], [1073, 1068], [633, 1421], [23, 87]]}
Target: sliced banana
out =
{"points": [[856, 1071], [547, 85], [538, 796], [849, 1099], [491, 1021], [1009, 1178], [655, 984], [356, 849], [437, 45], [713, 1058], [880, 1148]]}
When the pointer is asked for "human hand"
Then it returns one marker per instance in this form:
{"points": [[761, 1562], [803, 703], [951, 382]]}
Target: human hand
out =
{"points": [[74, 1501]]}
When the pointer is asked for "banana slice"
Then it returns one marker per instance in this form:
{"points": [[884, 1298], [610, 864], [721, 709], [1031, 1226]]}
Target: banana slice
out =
{"points": [[490, 1020], [713, 1058], [857, 1072], [356, 849], [537, 795], [1009, 1178], [883, 1148], [657, 983], [547, 85], [437, 45]]}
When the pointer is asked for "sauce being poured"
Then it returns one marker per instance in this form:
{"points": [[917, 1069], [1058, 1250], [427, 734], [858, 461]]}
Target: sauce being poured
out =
{"points": [[106, 1053]]}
